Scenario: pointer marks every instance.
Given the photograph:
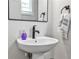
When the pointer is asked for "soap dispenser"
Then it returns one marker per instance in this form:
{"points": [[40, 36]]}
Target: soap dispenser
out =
{"points": [[23, 35]]}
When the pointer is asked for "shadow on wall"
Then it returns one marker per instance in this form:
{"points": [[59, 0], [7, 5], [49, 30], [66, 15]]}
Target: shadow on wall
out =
{"points": [[14, 53]]}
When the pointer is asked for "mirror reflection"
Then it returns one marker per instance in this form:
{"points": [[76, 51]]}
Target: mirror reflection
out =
{"points": [[28, 10]]}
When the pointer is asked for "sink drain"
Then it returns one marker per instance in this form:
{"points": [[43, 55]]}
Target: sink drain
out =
{"points": [[35, 41]]}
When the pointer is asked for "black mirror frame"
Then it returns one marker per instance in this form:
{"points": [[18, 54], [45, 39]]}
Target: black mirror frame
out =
{"points": [[28, 20]]}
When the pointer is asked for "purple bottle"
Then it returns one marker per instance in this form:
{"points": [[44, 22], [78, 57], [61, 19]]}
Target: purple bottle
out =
{"points": [[23, 36]]}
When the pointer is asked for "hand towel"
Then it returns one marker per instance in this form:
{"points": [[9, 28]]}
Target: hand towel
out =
{"points": [[65, 24]]}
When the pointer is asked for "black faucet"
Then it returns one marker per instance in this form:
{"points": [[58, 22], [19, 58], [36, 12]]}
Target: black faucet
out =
{"points": [[33, 31]]}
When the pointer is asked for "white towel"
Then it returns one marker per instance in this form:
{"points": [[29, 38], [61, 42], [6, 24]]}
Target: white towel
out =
{"points": [[65, 24]]}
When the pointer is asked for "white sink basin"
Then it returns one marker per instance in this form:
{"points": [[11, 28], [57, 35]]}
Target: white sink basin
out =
{"points": [[40, 44]]}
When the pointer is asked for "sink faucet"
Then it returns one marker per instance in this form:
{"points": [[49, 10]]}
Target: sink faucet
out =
{"points": [[33, 31]]}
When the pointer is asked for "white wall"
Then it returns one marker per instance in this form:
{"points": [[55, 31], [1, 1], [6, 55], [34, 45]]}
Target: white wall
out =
{"points": [[14, 27], [62, 51]]}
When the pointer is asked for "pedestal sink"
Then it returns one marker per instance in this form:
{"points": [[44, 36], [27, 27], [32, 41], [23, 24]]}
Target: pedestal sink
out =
{"points": [[37, 46]]}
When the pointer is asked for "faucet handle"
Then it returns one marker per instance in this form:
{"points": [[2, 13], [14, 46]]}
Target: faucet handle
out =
{"points": [[34, 25]]}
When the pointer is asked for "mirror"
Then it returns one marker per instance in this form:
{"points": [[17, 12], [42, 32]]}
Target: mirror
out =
{"points": [[28, 10]]}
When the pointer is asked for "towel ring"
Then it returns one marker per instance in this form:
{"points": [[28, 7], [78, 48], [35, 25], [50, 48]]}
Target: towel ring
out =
{"points": [[66, 7]]}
